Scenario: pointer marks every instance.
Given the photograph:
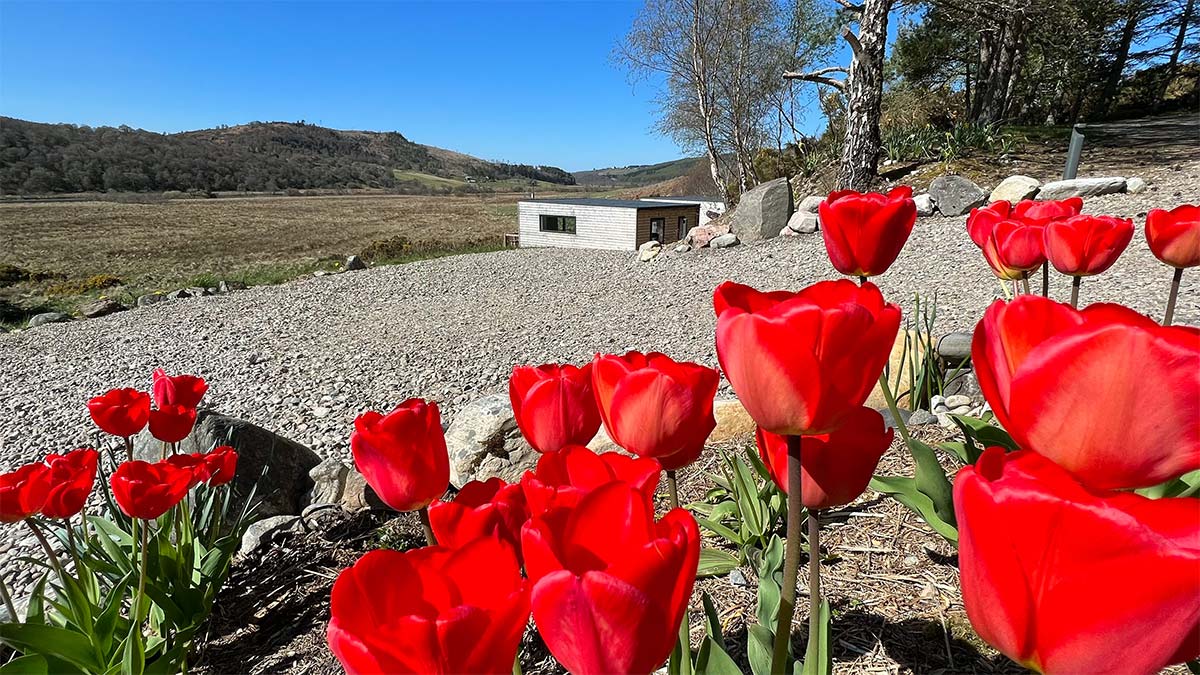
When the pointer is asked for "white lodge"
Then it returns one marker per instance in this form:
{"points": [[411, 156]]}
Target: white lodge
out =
{"points": [[614, 224]]}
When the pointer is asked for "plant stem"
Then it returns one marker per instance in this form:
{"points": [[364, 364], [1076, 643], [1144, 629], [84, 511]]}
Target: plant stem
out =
{"points": [[137, 607], [424, 513], [862, 280], [672, 489], [52, 558], [517, 663], [891, 403], [1075, 281], [129, 448], [1046, 279], [791, 560], [814, 575], [8, 603], [71, 543], [1174, 294], [1025, 283]]}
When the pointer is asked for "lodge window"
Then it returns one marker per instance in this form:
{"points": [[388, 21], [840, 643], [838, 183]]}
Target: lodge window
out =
{"points": [[557, 224], [657, 225]]}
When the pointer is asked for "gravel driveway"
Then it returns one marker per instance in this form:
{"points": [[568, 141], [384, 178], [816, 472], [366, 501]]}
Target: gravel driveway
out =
{"points": [[304, 358]]}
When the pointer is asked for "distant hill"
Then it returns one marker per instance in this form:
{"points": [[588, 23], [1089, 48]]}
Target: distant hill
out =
{"points": [[38, 158], [637, 175]]}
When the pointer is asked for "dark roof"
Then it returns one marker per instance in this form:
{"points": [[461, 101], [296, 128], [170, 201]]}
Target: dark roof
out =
{"points": [[691, 198], [613, 203]]}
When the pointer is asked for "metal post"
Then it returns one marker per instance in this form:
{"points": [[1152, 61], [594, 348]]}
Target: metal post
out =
{"points": [[1074, 151]]}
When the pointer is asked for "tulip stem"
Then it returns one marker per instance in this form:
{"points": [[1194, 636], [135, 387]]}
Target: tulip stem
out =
{"points": [[1075, 282], [145, 541], [862, 279], [791, 560], [129, 448], [672, 489], [1046, 279], [71, 544], [814, 577], [424, 513], [1025, 283], [51, 557], [1174, 294], [8, 602]]}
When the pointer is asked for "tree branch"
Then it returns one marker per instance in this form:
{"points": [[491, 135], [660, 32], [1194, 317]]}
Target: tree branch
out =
{"points": [[849, 5], [819, 78], [851, 38]]}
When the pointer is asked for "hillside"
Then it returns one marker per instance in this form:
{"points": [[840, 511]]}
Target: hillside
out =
{"points": [[38, 158], [638, 175]]}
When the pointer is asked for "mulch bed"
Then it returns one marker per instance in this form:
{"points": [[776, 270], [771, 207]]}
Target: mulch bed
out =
{"points": [[892, 584]]}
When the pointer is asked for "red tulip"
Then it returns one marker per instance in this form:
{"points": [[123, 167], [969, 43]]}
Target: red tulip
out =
{"points": [[865, 232], [23, 492], [1105, 392], [193, 463], [554, 405], [562, 478], [430, 610], [70, 477], [1044, 212], [402, 455], [172, 423], [835, 467], [489, 508], [1085, 245], [184, 390], [147, 491], [1174, 236], [221, 465], [610, 585], [1063, 579], [1014, 248], [982, 221], [803, 362], [121, 412], [656, 407]]}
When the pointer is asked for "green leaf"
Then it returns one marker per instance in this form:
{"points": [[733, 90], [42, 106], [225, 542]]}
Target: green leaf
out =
{"points": [[930, 479], [818, 659], [715, 562], [133, 658], [712, 660], [1187, 485], [79, 607], [33, 664], [904, 490], [35, 613], [754, 512], [62, 643], [760, 646], [986, 434], [721, 530], [966, 455], [712, 621]]}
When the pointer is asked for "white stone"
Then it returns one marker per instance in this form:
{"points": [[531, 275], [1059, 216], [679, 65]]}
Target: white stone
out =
{"points": [[957, 400], [1135, 185], [924, 203], [803, 222], [810, 204], [724, 241], [1081, 187], [1014, 189]]}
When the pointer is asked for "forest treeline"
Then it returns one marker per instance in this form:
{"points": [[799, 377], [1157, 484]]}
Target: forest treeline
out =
{"points": [[38, 158]]}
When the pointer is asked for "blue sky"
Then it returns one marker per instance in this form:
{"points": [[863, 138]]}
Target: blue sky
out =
{"points": [[517, 81]]}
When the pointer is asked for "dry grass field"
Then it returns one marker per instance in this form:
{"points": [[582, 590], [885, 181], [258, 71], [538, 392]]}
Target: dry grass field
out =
{"points": [[174, 240]]}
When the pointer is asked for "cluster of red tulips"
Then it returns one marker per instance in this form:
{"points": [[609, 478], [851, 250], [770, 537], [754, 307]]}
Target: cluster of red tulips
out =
{"points": [[1018, 239], [605, 581], [59, 486]]}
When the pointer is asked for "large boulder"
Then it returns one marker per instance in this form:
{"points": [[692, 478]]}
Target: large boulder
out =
{"points": [[48, 317], [762, 212], [954, 348], [1081, 187], [335, 482], [955, 195], [1014, 189], [700, 235], [278, 466], [810, 204], [483, 441], [101, 307]]}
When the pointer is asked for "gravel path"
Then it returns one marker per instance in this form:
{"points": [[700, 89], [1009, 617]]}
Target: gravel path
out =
{"points": [[304, 358]]}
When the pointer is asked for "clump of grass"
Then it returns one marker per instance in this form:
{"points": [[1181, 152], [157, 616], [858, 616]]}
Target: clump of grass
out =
{"points": [[80, 286], [399, 250]]}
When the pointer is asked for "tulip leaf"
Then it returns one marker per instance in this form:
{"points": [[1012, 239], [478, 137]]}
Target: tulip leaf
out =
{"points": [[712, 621], [1187, 485], [818, 659], [987, 435], [715, 562], [930, 480], [35, 612], [133, 658], [760, 645], [33, 664], [904, 490], [68, 645], [721, 530], [713, 660]]}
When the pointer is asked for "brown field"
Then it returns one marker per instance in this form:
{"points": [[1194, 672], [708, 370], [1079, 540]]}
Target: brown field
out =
{"points": [[166, 243]]}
